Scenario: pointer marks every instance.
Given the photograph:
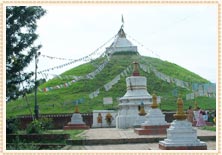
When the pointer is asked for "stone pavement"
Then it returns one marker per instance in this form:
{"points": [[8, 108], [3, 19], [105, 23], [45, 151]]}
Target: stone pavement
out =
{"points": [[116, 135], [211, 145]]}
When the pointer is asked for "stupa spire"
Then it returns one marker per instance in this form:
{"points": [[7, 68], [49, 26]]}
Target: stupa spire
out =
{"points": [[180, 115], [136, 69], [154, 104], [76, 109], [121, 43], [142, 110], [122, 22]]}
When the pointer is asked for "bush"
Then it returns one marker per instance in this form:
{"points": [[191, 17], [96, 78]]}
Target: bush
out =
{"points": [[211, 128], [46, 123], [37, 126], [34, 127], [21, 145], [12, 125]]}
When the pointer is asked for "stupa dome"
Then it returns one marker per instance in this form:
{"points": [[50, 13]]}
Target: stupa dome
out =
{"points": [[121, 44]]}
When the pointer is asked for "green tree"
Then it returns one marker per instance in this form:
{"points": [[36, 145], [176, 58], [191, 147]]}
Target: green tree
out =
{"points": [[21, 24]]}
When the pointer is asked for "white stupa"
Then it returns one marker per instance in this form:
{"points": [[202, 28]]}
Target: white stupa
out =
{"points": [[121, 44], [154, 121], [181, 135], [128, 114], [76, 121]]}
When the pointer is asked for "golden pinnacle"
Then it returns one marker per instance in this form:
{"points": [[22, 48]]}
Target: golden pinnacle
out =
{"points": [[142, 111], [180, 115], [136, 69], [154, 99], [76, 109]]}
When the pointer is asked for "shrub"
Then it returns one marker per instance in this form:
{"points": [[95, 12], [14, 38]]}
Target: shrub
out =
{"points": [[34, 127], [21, 145], [46, 123], [12, 125], [37, 126]]}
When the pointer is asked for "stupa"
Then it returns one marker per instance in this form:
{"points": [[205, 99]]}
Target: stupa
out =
{"points": [[181, 135], [121, 43], [130, 103], [76, 121], [155, 121]]}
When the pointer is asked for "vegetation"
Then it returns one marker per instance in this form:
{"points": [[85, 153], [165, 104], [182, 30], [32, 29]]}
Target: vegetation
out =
{"points": [[74, 134], [40, 125], [20, 49], [18, 144], [22, 144], [12, 125], [61, 100], [211, 128]]}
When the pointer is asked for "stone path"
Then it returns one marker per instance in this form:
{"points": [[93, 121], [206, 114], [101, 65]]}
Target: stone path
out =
{"points": [[211, 145], [115, 134]]}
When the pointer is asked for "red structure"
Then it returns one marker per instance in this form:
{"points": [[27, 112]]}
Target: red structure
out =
{"points": [[152, 130]]}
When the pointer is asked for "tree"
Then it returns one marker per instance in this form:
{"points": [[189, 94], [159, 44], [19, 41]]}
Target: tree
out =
{"points": [[21, 24]]}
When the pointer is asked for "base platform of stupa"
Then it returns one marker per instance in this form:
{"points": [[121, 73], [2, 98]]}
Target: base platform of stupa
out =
{"points": [[75, 127], [152, 130], [182, 136], [165, 147], [127, 139]]}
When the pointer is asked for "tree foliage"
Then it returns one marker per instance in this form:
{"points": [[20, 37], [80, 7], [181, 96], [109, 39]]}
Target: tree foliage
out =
{"points": [[21, 24]]}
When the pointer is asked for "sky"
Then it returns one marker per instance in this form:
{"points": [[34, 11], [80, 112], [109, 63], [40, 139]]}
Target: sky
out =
{"points": [[182, 34]]}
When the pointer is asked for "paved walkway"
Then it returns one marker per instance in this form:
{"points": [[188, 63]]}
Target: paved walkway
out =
{"points": [[113, 134], [211, 145]]}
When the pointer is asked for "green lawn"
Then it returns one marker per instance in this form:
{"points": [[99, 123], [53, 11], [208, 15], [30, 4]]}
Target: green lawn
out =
{"points": [[73, 133], [211, 128], [61, 100]]}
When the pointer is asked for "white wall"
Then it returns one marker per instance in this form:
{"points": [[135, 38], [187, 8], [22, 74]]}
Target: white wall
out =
{"points": [[103, 113]]}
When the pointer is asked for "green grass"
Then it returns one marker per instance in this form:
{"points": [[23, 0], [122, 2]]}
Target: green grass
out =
{"points": [[60, 100], [73, 133], [23, 145], [211, 128]]}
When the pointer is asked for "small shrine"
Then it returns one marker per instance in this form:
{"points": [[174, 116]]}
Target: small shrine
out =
{"points": [[100, 118], [181, 135], [76, 121], [154, 122], [134, 104]]}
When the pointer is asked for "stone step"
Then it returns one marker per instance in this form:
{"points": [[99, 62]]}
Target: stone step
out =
{"points": [[152, 130], [75, 126], [141, 131], [67, 147], [162, 147], [127, 140], [155, 126]]}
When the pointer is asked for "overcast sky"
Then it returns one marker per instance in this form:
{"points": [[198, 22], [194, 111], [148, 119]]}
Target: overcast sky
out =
{"points": [[182, 34]]}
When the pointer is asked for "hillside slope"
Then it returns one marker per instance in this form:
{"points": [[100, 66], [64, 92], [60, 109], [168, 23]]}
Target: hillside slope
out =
{"points": [[65, 92]]}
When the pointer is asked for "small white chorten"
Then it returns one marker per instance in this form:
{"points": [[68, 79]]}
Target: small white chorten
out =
{"points": [[154, 122], [76, 121], [181, 135]]}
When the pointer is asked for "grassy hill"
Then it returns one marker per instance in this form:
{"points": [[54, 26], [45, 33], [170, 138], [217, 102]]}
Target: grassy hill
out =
{"points": [[60, 100]]}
